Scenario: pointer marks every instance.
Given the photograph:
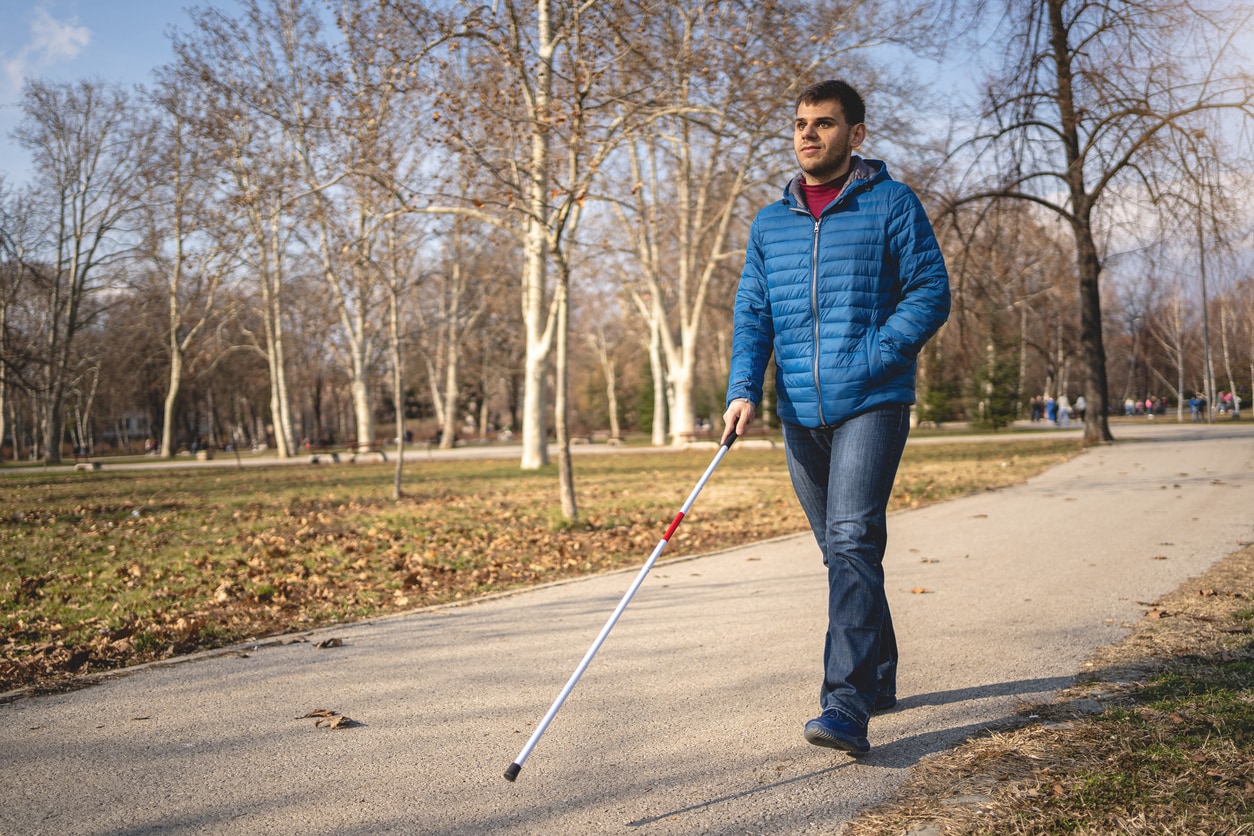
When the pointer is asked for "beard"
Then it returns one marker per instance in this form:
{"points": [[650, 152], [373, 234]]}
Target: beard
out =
{"points": [[826, 167]]}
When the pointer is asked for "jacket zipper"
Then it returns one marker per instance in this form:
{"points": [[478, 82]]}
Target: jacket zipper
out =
{"points": [[814, 288], [814, 312]]}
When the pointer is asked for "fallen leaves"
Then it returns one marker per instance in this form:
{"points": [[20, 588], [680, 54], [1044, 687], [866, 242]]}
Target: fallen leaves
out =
{"points": [[326, 718]]}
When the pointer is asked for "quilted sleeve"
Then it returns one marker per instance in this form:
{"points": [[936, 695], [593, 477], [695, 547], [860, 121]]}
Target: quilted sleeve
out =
{"points": [[753, 329], [923, 305]]}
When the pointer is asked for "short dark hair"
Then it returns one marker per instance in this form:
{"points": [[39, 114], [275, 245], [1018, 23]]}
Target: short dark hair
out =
{"points": [[835, 90]]}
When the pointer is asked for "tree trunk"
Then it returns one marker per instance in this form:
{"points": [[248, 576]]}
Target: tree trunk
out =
{"points": [[433, 384], [535, 453], [362, 412], [611, 400], [565, 473], [1096, 426], [280, 403], [171, 396], [398, 385], [4, 327], [680, 377], [659, 384], [1223, 342], [449, 435], [602, 351], [53, 425], [354, 318], [1020, 390]]}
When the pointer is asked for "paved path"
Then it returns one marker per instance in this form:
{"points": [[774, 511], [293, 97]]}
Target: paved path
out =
{"points": [[688, 721]]}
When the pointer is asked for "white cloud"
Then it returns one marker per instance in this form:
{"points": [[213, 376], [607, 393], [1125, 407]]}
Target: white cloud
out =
{"points": [[51, 42]]}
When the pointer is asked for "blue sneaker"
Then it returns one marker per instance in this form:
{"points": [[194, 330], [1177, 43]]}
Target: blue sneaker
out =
{"points": [[833, 730]]}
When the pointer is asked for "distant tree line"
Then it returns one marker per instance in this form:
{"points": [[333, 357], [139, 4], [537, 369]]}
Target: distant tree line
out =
{"points": [[365, 220]]}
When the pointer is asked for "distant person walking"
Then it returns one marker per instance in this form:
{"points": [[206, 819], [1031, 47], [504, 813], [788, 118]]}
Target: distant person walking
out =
{"points": [[844, 282]]}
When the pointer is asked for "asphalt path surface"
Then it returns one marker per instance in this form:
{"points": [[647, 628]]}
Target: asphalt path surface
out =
{"points": [[689, 719]]}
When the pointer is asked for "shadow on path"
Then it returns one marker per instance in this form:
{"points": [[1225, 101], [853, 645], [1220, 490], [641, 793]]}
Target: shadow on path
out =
{"points": [[692, 808], [903, 752]]}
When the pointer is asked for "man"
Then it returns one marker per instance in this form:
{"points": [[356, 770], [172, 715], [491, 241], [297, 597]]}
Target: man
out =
{"points": [[844, 281]]}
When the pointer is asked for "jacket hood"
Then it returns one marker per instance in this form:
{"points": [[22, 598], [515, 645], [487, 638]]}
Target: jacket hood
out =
{"points": [[861, 172]]}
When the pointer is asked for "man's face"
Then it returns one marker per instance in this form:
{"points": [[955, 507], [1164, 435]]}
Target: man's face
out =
{"points": [[823, 140]]}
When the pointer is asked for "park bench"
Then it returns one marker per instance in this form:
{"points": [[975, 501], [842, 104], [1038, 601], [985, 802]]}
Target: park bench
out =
{"points": [[352, 449], [82, 460]]}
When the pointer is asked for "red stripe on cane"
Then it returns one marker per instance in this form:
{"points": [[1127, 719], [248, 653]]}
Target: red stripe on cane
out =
{"points": [[678, 519]]}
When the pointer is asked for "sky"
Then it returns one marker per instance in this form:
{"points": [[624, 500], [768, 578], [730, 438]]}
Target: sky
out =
{"points": [[118, 41]]}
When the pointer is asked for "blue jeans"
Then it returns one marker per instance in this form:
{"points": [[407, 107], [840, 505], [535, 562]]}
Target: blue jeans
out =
{"points": [[843, 475]]}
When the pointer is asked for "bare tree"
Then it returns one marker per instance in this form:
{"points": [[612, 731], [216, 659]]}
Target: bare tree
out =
{"points": [[1247, 295], [541, 105], [229, 65], [1010, 269], [187, 238], [455, 296], [397, 257], [86, 155], [14, 215], [353, 128], [1077, 118], [532, 110], [602, 349], [725, 75]]}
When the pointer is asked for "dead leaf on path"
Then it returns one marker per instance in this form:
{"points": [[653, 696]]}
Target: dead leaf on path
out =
{"points": [[325, 643], [318, 712], [1157, 614], [330, 719], [1160, 557], [1206, 593], [921, 590]]}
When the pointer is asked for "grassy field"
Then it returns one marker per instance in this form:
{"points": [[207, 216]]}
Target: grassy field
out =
{"points": [[103, 569]]}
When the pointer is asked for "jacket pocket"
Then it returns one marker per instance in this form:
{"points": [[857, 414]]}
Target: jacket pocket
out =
{"points": [[874, 361], [884, 359]]}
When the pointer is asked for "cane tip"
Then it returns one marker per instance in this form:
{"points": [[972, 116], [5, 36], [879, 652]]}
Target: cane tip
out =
{"points": [[512, 772]]}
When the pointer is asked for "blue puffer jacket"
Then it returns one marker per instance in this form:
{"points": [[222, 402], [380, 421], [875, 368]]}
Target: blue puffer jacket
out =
{"points": [[846, 302]]}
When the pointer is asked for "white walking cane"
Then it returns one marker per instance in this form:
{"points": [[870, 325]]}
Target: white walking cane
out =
{"points": [[514, 768]]}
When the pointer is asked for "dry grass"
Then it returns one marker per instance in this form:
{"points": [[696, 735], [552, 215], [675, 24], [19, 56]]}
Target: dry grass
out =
{"points": [[1158, 738]]}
